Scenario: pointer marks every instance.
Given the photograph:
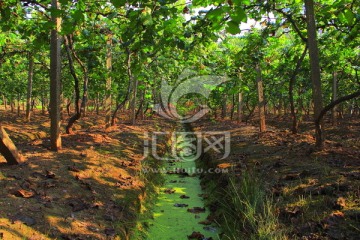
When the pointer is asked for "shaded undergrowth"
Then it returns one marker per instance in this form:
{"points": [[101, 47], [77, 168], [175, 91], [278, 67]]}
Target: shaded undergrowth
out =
{"points": [[247, 212]]}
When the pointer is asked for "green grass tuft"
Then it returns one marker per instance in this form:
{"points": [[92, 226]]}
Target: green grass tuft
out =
{"points": [[248, 213]]}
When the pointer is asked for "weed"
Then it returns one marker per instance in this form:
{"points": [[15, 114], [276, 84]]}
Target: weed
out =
{"points": [[248, 213]]}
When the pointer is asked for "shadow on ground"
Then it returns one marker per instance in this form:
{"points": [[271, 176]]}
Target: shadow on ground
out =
{"points": [[91, 189]]}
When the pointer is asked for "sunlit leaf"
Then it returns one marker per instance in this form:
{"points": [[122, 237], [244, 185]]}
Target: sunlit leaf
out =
{"points": [[215, 14], [238, 15], [349, 15]]}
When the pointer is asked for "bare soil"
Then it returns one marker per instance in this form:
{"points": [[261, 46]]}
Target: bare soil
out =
{"points": [[317, 192], [91, 189]]}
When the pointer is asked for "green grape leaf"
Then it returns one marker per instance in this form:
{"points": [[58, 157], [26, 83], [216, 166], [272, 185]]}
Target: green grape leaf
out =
{"points": [[238, 15], [215, 14], [349, 15], [232, 27], [78, 15], [118, 3]]}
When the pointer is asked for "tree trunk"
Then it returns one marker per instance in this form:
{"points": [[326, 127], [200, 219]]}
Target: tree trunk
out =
{"points": [[8, 148], [274, 108], [285, 108], [68, 106], [77, 114], [97, 103], [334, 103], [29, 88], [240, 106], [315, 70], [141, 107], [85, 83], [224, 107], [122, 104], [42, 104], [295, 124], [232, 107], [261, 104], [12, 105], [134, 92], [133, 103], [139, 110], [5, 102], [280, 110], [145, 111], [18, 102], [55, 78], [32, 104], [108, 81], [334, 97], [341, 112]]}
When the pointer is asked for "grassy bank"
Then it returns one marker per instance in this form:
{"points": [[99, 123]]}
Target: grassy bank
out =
{"points": [[241, 205], [278, 187]]}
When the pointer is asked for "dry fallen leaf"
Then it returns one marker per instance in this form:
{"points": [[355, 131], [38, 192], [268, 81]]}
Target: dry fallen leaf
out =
{"points": [[23, 193], [180, 205], [50, 174], [169, 191], [196, 210], [184, 196], [205, 222], [196, 235], [73, 169]]}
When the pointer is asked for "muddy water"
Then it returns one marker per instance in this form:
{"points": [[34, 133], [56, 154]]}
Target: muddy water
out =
{"points": [[174, 216]]}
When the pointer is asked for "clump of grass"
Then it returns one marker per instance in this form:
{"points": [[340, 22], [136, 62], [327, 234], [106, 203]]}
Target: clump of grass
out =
{"points": [[248, 213]]}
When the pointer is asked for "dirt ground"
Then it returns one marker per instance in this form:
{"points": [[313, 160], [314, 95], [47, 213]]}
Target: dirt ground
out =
{"points": [[91, 189], [317, 193]]}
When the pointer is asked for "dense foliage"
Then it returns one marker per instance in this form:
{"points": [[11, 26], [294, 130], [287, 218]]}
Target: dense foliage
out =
{"points": [[155, 41]]}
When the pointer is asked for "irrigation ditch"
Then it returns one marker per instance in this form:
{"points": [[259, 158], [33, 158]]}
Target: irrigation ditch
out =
{"points": [[192, 204], [179, 209]]}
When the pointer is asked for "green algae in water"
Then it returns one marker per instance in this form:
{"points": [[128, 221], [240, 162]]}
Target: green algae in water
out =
{"points": [[176, 223]]}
